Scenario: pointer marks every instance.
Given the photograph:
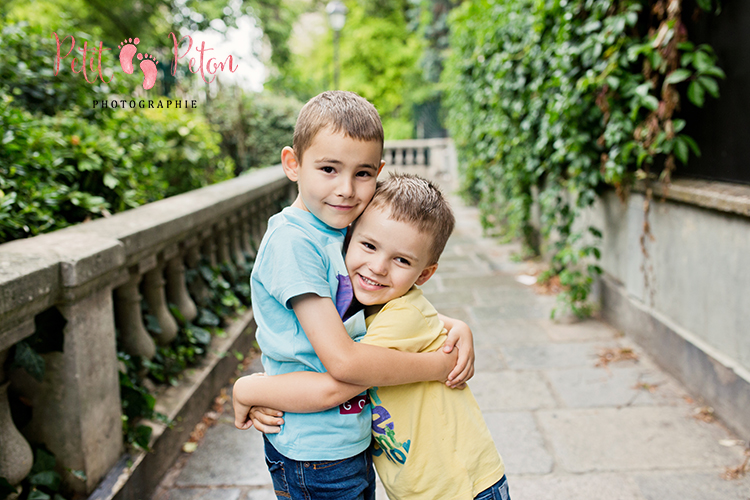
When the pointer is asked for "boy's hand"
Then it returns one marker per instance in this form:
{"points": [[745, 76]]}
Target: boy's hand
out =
{"points": [[266, 420], [459, 336], [449, 360], [242, 416]]}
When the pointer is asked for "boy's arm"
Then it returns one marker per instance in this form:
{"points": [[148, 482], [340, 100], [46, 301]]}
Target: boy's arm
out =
{"points": [[298, 392], [358, 363], [460, 336]]}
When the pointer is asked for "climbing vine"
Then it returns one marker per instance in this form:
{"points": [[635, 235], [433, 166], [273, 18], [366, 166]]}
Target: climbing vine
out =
{"points": [[551, 101]]}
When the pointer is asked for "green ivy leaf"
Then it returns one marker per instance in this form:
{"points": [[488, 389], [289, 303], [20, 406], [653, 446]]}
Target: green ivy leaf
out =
{"points": [[143, 436], [38, 495], [49, 479], [710, 85], [43, 461], [702, 61], [6, 489], [677, 76], [207, 318], [201, 335], [28, 359], [681, 150], [696, 93]]}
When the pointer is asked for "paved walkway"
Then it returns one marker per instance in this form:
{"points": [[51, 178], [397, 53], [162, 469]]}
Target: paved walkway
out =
{"points": [[569, 425]]}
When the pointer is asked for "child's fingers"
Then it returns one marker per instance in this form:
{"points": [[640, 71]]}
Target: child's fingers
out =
{"points": [[266, 420]]}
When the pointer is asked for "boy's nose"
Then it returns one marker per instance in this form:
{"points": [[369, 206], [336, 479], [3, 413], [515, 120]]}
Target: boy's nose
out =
{"points": [[345, 188], [378, 266]]}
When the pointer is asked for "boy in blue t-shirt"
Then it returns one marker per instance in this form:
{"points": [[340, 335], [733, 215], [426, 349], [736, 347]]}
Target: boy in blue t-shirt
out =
{"points": [[302, 297]]}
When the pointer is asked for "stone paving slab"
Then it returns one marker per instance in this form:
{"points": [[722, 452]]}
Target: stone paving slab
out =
{"points": [[569, 355], [511, 391], [584, 331], [205, 494], [225, 458], [692, 486], [520, 442], [511, 332], [597, 387], [575, 487], [634, 439]]}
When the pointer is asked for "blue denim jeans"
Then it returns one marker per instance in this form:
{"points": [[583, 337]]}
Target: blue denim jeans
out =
{"points": [[348, 479], [498, 491]]}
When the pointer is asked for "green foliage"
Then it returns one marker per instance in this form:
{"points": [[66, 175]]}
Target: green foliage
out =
{"points": [[254, 127], [379, 59], [550, 100], [42, 483], [187, 349]]}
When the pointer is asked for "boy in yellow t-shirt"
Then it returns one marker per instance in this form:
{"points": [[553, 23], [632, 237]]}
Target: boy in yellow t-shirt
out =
{"points": [[429, 442]]}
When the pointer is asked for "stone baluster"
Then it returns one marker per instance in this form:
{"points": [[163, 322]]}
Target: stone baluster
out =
{"points": [[420, 160], [197, 286], [177, 292], [134, 339], [223, 243], [208, 249], [153, 292], [247, 233], [16, 457], [235, 236]]}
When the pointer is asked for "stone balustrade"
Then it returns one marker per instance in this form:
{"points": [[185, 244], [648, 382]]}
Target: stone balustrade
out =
{"points": [[82, 286], [431, 158]]}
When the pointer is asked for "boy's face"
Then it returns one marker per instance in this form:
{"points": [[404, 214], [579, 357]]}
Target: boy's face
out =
{"points": [[336, 178], [386, 257]]}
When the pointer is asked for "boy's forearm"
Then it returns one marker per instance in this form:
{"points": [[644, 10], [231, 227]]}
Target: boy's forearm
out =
{"points": [[297, 392], [362, 364]]}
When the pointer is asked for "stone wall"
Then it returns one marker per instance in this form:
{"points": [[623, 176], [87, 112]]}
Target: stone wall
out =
{"points": [[687, 297], [90, 277]]}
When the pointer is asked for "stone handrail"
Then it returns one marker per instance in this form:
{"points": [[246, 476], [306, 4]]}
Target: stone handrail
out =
{"points": [[92, 275], [431, 158]]}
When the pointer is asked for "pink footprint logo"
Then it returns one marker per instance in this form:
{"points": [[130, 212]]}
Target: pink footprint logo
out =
{"points": [[148, 66], [127, 51]]}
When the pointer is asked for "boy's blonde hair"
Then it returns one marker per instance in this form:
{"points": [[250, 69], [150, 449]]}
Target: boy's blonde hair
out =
{"points": [[342, 111], [415, 200]]}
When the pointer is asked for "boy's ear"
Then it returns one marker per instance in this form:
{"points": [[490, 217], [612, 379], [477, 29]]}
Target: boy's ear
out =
{"points": [[290, 164], [426, 274], [380, 168]]}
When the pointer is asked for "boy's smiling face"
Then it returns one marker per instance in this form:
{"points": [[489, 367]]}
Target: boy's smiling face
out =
{"points": [[336, 178], [386, 257]]}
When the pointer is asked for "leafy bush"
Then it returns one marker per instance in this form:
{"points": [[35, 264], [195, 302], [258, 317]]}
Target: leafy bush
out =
{"points": [[551, 100], [60, 170], [253, 127]]}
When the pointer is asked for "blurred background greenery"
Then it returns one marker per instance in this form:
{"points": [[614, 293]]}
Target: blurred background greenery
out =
{"points": [[63, 162]]}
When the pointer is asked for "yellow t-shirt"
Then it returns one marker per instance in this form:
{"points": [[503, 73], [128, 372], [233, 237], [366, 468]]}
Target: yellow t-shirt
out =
{"points": [[431, 442]]}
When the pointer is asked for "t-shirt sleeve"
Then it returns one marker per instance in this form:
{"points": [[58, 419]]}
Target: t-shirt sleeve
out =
{"points": [[400, 326], [293, 265]]}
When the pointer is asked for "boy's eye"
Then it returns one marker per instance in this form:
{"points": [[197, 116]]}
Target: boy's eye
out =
{"points": [[328, 170], [368, 246], [403, 261], [364, 173]]}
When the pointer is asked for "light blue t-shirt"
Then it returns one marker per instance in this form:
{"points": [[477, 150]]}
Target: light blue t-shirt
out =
{"points": [[300, 254]]}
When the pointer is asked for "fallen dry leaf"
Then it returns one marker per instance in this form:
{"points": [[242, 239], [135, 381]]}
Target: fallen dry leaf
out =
{"points": [[739, 471], [615, 354], [704, 414]]}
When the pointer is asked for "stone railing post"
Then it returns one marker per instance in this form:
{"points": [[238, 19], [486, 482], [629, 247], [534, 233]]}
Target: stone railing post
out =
{"points": [[134, 339], [154, 293], [177, 292], [16, 457], [198, 288], [89, 275]]}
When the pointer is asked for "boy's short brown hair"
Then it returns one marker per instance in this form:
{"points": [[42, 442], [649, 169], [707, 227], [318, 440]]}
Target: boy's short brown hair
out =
{"points": [[417, 201], [342, 111]]}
